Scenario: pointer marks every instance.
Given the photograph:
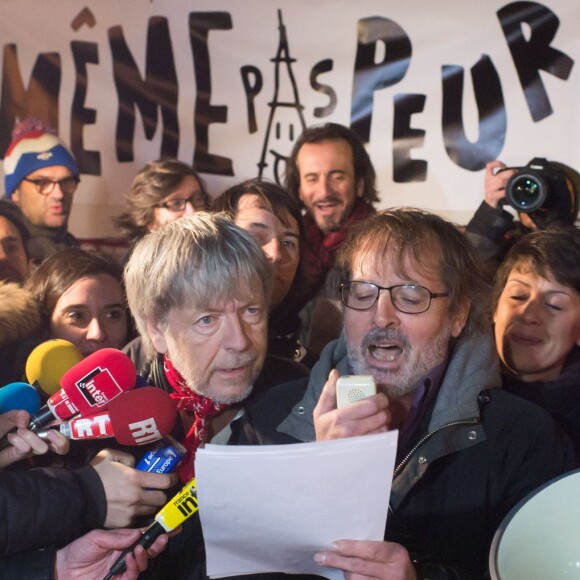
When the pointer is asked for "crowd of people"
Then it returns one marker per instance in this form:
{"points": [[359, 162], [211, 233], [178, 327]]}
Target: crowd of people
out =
{"points": [[246, 309]]}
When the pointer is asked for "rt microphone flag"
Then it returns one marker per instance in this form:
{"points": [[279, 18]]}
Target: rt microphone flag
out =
{"points": [[135, 417], [88, 387]]}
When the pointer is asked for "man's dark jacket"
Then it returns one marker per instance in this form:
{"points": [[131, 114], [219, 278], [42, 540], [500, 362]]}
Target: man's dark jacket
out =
{"points": [[478, 452]]}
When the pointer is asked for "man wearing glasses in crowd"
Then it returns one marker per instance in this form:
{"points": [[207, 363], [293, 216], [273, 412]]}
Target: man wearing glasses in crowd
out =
{"points": [[41, 176], [415, 318], [163, 191]]}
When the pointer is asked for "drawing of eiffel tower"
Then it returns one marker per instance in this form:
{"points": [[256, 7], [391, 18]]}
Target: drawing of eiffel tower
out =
{"points": [[285, 109]]}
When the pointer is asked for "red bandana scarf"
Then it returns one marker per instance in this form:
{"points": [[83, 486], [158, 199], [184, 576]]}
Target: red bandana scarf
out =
{"points": [[321, 248], [197, 405]]}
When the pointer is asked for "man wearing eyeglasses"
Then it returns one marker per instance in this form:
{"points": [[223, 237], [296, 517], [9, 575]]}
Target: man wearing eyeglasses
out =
{"points": [[41, 177], [415, 318], [163, 191]]}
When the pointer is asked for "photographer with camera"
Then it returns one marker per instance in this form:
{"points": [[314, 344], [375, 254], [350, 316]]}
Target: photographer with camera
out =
{"points": [[543, 193]]}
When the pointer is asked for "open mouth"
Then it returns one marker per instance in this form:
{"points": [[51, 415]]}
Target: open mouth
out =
{"points": [[328, 205], [385, 352]]}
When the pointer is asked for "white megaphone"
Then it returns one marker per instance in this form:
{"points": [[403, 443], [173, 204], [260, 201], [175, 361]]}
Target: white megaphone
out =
{"points": [[539, 539]]}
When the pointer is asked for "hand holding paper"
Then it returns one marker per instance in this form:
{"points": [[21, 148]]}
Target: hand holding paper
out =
{"points": [[271, 508]]}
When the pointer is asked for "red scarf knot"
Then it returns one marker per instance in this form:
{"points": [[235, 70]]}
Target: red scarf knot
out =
{"points": [[197, 405]]}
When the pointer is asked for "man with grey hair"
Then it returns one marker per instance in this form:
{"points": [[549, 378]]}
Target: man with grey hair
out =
{"points": [[415, 318], [199, 290]]}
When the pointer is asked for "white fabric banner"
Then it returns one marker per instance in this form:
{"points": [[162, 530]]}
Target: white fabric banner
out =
{"points": [[435, 87]]}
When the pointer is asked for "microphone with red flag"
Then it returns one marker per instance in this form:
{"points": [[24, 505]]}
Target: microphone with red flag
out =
{"points": [[88, 387], [136, 417]]}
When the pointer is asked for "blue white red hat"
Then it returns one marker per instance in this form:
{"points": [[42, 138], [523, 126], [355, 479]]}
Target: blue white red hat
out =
{"points": [[31, 151]]}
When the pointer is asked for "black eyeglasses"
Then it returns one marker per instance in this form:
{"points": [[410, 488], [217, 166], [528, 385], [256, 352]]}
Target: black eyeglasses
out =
{"points": [[179, 203], [45, 186], [406, 298]]}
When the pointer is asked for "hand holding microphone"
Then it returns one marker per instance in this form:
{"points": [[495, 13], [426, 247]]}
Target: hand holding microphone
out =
{"points": [[91, 555], [133, 418], [129, 492], [181, 507], [16, 397], [23, 443]]}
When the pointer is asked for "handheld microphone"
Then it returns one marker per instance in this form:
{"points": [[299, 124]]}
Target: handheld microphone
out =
{"points": [[48, 362], [133, 418], [163, 458], [88, 387], [179, 508], [19, 396]]}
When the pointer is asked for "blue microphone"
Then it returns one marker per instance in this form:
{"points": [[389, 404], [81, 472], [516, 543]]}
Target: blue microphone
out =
{"points": [[19, 397], [163, 458]]}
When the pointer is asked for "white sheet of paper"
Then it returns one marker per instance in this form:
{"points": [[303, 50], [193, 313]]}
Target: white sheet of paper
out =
{"points": [[270, 508]]}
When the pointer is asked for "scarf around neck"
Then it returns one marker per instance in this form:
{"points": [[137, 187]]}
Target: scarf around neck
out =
{"points": [[321, 248], [200, 407]]}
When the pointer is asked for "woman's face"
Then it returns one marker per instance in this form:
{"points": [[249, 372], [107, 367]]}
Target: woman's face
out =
{"points": [[537, 323], [188, 197], [279, 242], [91, 314]]}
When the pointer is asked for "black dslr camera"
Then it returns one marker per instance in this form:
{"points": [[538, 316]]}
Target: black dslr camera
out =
{"points": [[545, 190]]}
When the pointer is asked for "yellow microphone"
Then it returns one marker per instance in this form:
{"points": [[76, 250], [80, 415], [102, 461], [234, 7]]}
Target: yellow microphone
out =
{"points": [[180, 508], [47, 364]]}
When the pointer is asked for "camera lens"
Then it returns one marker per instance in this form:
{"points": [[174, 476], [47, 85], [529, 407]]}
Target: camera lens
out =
{"points": [[526, 192]]}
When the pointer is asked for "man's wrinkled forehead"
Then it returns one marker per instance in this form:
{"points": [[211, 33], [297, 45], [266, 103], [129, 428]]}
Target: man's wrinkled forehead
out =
{"points": [[379, 253], [243, 293]]}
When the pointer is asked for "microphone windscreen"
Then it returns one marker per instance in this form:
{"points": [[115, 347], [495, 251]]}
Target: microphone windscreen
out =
{"points": [[48, 362], [96, 380], [19, 397], [142, 416]]}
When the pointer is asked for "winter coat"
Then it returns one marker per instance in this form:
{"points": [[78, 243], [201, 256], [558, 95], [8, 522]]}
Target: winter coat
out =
{"points": [[561, 397], [478, 452], [20, 331]]}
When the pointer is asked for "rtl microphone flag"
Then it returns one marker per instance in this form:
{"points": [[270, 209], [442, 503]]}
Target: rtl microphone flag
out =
{"points": [[48, 362], [135, 417], [88, 387]]}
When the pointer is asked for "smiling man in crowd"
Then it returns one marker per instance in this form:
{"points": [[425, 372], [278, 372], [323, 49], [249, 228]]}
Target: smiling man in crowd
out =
{"points": [[331, 173]]}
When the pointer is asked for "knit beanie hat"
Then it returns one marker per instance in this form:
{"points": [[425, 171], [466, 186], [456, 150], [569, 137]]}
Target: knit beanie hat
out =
{"points": [[33, 147]]}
